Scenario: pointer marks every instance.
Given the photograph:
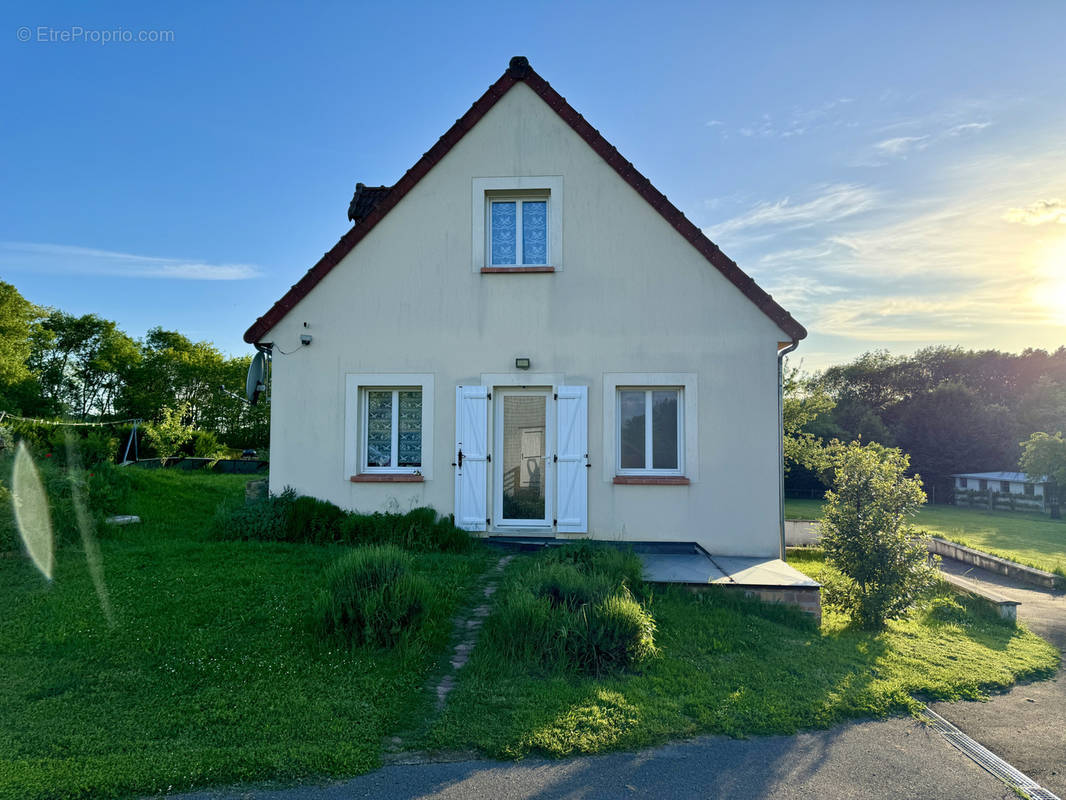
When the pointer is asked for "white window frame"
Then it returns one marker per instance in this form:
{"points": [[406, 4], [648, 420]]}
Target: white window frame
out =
{"points": [[679, 432], [536, 187], [518, 200], [394, 443], [355, 423], [688, 402]]}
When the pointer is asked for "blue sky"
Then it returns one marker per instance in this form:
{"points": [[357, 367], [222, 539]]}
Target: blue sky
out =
{"points": [[895, 174]]}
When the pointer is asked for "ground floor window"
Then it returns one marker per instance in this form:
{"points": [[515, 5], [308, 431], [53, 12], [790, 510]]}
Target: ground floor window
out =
{"points": [[650, 431], [388, 424], [393, 426]]}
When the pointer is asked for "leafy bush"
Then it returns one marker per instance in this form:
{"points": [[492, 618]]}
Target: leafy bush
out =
{"points": [[866, 534], [372, 598], [170, 433], [313, 520], [48, 440], [203, 444], [265, 520], [572, 608], [7, 439], [291, 518]]}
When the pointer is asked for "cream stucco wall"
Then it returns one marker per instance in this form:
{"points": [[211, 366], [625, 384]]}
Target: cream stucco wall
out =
{"points": [[630, 296]]}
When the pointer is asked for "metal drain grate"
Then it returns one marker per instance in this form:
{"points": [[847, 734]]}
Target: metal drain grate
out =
{"points": [[987, 759]]}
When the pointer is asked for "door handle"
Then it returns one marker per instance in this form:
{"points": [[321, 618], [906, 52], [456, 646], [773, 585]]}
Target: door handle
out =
{"points": [[460, 459]]}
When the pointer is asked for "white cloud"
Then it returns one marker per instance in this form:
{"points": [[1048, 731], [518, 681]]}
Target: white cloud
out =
{"points": [[69, 259], [1038, 213], [966, 127], [714, 123], [901, 145], [939, 266], [833, 203], [795, 123]]}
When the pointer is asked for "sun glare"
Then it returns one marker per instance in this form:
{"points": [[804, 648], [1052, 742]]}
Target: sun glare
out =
{"points": [[1050, 293]]}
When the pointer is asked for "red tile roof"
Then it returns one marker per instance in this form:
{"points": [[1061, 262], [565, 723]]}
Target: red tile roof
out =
{"points": [[380, 200]]}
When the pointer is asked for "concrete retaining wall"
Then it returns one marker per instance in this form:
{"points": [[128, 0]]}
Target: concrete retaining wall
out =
{"points": [[1001, 566], [801, 533], [1005, 607], [805, 598]]}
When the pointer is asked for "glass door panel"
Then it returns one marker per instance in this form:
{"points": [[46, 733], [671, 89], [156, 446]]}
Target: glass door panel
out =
{"points": [[523, 448]]}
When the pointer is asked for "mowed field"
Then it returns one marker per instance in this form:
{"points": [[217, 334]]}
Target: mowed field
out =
{"points": [[1033, 539]]}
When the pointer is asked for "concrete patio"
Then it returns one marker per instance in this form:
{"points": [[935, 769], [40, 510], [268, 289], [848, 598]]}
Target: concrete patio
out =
{"points": [[686, 563], [769, 579]]}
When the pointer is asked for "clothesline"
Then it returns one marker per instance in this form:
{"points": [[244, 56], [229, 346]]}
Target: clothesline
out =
{"points": [[5, 415]]}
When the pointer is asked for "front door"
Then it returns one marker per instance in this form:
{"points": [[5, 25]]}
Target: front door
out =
{"points": [[523, 441]]}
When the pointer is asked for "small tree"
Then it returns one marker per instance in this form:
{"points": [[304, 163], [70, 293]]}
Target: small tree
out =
{"points": [[867, 535], [170, 433], [1044, 458]]}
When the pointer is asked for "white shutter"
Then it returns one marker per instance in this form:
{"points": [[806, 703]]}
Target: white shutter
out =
{"points": [[471, 439], [572, 448]]}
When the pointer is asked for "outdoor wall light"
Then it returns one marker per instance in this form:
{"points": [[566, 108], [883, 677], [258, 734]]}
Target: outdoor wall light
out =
{"points": [[521, 363]]}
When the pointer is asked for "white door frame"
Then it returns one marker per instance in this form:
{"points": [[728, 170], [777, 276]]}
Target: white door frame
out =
{"points": [[548, 480]]}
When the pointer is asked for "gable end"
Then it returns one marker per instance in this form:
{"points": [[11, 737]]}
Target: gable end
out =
{"points": [[370, 204]]}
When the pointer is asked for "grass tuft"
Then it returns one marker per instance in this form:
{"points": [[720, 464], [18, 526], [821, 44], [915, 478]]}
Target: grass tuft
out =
{"points": [[571, 608], [372, 597]]}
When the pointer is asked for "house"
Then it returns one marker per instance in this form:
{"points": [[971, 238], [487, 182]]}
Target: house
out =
{"points": [[523, 332], [1003, 490]]}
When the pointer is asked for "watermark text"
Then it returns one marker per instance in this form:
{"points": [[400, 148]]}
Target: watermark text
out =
{"points": [[46, 34]]}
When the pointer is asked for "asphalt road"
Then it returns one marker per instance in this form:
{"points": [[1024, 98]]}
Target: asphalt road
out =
{"points": [[1026, 726], [890, 759]]}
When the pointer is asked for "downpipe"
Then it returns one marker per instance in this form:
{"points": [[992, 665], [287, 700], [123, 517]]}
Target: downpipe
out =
{"points": [[781, 442]]}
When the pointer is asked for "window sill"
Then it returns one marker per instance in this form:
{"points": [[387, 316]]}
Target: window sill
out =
{"points": [[502, 270], [374, 477], [651, 480]]}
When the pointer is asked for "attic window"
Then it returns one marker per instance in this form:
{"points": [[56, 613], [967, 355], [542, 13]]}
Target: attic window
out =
{"points": [[517, 224], [518, 231]]}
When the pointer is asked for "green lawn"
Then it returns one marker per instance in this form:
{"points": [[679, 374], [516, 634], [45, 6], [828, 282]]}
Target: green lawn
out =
{"points": [[737, 667], [209, 675], [1033, 539]]}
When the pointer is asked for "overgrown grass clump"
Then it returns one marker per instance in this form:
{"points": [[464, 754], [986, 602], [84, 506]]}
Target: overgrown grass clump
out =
{"points": [[289, 517], [573, 608], [373, 597]]}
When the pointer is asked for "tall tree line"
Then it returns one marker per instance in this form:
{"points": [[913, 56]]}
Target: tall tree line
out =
{"points": [[55, 364], [952, 410]]}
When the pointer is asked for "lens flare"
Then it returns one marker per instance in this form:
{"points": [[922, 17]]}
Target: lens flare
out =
{"points": [[85, 526], [32, 517]]}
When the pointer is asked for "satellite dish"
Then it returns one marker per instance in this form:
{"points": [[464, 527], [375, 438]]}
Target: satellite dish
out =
{"points": [[256, 382]]}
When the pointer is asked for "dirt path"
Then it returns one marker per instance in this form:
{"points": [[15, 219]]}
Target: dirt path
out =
{"points": [[1027, 725]]}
